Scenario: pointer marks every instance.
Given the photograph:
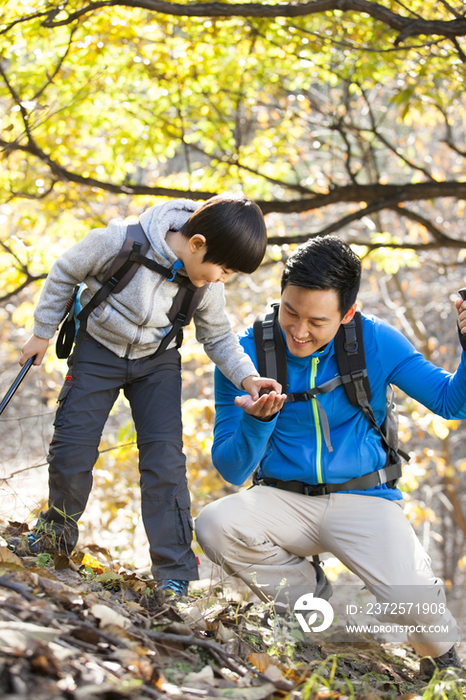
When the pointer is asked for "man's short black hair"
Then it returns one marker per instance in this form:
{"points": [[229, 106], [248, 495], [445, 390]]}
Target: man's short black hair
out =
{"points": [[234, 229], [325, 262]]}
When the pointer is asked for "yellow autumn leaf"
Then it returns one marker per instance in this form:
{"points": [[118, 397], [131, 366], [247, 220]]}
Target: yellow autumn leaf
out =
{"points": [[93, 563]]}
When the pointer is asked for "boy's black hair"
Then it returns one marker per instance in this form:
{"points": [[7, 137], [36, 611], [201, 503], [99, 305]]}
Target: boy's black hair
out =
{"points": [[325, 262], [234, 229]]}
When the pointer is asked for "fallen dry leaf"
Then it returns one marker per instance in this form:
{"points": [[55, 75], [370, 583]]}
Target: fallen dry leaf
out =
{"points": [[9, 560], [225, 634], [15, 636], [108, 616], [263, 661], [203, 677]]}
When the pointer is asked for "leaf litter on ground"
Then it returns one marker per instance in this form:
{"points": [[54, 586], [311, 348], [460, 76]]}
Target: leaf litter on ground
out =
{"points": [[85, 627]]}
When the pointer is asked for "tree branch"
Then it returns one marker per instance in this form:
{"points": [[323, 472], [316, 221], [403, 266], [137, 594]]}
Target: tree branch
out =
{"points": [[64, 175], [405, 25], [451, 9], [29, 279], [369, 193], [50, 78], [440, 238], [337, 194], [386, 142]]}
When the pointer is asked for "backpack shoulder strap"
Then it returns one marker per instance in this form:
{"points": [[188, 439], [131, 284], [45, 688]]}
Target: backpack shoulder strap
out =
{"points": [[184, 305], [270, 347], [134, 234], [193, 299], [351, 361]]}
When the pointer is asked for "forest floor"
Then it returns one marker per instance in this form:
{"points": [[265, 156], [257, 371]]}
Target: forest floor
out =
{"points": [[86, 627]]}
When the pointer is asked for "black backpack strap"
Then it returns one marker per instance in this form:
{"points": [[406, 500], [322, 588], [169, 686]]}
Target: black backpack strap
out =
{"points": [[196, 298], [183, 302], [351, 361], [270, 347], [387, 475], [67, 331], [134, 234], [109, 286]]}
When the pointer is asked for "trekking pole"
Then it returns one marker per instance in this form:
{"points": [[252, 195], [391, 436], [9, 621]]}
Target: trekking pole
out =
{"points": [[24, 370]]}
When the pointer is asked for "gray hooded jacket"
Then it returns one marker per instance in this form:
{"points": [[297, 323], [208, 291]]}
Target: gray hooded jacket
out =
{"points": [[133, 322]]}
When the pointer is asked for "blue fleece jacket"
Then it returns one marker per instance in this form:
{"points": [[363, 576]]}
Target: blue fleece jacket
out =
{"points": [[291, 446]]}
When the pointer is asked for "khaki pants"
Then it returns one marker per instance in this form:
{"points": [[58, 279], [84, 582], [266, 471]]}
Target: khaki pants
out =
{"points": [[263, 535]]}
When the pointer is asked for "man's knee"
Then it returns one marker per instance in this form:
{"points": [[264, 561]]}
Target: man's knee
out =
{"points": [[209, 528]]}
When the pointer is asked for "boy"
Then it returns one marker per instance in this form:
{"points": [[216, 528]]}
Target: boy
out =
{"points": [[117, 349]]}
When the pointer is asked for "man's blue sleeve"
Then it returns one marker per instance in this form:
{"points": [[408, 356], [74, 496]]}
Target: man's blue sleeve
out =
{"points": [[440, 391], [240, 440]]}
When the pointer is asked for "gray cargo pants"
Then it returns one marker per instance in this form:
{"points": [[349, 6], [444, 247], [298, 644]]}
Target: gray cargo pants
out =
{"points": [[153, 388]]}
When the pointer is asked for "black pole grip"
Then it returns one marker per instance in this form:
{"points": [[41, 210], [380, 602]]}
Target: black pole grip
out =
{"points": [[462, 336], [24, 370]]}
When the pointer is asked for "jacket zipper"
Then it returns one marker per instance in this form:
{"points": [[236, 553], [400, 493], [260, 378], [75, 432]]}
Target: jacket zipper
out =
{"points": [[146, 319], [315, 362]]}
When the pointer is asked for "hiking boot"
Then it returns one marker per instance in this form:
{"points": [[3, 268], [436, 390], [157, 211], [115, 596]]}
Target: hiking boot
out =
{"points": [[323, 586], [173, 586], [29, 545], [428, 666]]}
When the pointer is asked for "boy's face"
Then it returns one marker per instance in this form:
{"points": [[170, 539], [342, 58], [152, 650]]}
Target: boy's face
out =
{"points": [[310, 318], [201, 273]]}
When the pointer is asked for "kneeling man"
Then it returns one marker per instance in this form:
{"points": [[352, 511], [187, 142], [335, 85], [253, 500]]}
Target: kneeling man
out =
{"points": [[326, 480]]}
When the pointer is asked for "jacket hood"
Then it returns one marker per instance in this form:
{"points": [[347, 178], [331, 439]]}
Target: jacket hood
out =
{"points": [[161, 218]]}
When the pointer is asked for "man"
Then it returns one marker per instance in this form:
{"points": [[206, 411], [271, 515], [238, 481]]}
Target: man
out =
{"points": [[306, 451]]}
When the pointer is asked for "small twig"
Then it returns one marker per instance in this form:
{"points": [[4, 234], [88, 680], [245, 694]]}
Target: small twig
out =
{"points": [[107, 637], [6, 583], [214, 648]]}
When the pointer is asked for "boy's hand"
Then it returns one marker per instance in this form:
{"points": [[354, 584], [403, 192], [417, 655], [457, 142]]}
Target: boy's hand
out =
{"points": [[34, 346], [260, 385], [265, 407]]}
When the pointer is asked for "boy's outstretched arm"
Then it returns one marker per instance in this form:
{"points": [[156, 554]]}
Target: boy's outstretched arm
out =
{"points": [[34, 346]]}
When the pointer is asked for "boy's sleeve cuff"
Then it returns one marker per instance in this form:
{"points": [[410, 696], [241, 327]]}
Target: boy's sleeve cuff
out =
{"points": [[46, 331]]}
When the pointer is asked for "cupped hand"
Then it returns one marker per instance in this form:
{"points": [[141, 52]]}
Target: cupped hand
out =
{"points": [[265, 407]]}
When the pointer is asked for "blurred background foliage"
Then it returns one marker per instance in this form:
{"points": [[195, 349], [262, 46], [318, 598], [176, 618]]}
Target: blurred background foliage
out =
{"points": [[334, 120]]}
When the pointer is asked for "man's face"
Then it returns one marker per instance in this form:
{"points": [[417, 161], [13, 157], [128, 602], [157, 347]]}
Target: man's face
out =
{"points": [[310, 318]]}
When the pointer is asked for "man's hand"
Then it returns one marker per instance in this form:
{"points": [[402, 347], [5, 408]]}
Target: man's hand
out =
{"points": [[265, 407], [34, 346], [461, 311]]}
